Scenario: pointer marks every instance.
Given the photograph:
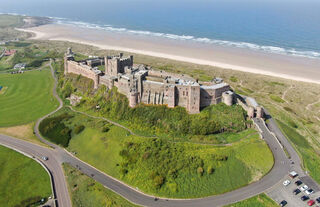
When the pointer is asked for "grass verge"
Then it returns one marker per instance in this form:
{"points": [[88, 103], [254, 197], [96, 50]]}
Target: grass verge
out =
{"points": [[22, 180], [261, 200], [87, 192]]}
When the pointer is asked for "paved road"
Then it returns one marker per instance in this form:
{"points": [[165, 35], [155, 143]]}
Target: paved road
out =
{"points": [[53, 165], [57, 155]]}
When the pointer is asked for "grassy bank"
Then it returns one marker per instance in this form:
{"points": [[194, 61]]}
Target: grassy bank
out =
{"points": [[165, 168], [261, 200], [22, 181], [311, 158], [85, 191], [27, 98]]}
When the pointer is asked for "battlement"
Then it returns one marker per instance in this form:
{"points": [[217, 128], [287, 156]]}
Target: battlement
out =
{"points": [[142, 84]]}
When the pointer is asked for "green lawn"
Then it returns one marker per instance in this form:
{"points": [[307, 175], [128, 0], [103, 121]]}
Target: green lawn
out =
{"points": [[87, 192], [27, 97], [261, 200], [164, 168], [21, 179]]}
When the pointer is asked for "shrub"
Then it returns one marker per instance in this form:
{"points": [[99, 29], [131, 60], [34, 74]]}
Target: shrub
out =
{"points": [[78, 129], [158, 181], [55, 130], [200, 171], [276, 98], [233, 79]]}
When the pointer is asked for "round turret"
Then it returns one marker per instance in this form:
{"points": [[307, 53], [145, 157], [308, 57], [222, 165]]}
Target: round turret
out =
{"points": [[133, 99], [251, 112], [227, 97], [260, 113]]}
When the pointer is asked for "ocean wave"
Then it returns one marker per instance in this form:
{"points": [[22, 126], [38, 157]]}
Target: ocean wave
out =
{"points": [[204, 40]]}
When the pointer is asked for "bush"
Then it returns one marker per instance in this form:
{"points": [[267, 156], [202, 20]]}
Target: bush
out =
{"points": [[55, 130], [78, 129]]}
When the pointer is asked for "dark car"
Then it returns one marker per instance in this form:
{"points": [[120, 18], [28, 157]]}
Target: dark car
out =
{"points": [[318, 200], [298, 182], [304, 198], [296, 191], [283, 203]]}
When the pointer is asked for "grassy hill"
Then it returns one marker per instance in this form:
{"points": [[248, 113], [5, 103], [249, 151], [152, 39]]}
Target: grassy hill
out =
{"points": [[23, 181], [161, 166], [27, 97]]}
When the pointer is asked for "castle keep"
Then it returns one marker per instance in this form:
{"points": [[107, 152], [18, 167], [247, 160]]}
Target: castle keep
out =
{"points": [[142, 84]]}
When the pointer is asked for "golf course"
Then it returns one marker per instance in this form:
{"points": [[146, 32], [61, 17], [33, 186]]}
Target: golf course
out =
{"points": [[26, 97]]}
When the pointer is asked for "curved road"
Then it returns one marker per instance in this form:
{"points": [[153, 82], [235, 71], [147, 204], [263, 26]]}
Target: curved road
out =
{"points": [[58, 155]]}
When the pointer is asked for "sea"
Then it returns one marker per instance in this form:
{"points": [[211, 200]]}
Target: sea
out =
{"points": [[290, 27]]}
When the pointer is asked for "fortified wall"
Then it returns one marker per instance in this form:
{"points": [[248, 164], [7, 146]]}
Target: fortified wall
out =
{"points": [[142, 84]]}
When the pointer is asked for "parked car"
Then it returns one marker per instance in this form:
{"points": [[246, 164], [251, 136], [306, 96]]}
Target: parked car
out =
{"points": [[283, 203], [286, 182], [293, 174], [311, 203], [298, 182], [309, 192], [303, 188], [304, 198], [296, 191], [318, 200]]}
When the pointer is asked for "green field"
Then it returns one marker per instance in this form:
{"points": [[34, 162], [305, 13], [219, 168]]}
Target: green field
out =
{"points": [[87, 192], [165, 168], [27, 97], [22, 180], [261, 200]]}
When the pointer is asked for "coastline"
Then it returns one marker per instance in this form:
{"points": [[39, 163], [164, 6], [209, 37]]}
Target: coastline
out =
{"points": [[283, 66]]}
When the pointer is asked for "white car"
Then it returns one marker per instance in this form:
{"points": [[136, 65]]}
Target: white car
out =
{"points": [[303, 188], [286, 182], [44, 158], [309, 192]]}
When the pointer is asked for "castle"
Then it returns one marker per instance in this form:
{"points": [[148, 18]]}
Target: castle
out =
{"points": [[142, 84]]}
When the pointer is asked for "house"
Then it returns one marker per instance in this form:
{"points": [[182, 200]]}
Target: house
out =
{"points": [[9, 52], [20, 66]]}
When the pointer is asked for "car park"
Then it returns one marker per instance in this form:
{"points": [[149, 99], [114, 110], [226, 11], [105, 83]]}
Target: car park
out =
{"points": [[303, 188], [296, 191], [304, 198], [309, 192], [298, 182], [283, 203], [311, 203], [286, 182]]}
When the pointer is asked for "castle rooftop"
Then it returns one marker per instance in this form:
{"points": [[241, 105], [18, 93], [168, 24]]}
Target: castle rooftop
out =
{"points": [[214, 86]]}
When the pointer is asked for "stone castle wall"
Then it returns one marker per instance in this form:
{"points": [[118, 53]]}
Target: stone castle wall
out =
{"points": [[84, 70], [142, 85]]}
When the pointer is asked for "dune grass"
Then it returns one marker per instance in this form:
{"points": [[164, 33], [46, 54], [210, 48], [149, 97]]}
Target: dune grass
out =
{"points": [[261, 200], [28, 97], [21, 179], [165, 168], [87, 192]]}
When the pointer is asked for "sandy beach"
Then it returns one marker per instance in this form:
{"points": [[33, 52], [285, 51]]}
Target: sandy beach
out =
{"points": [[284, 66]]}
